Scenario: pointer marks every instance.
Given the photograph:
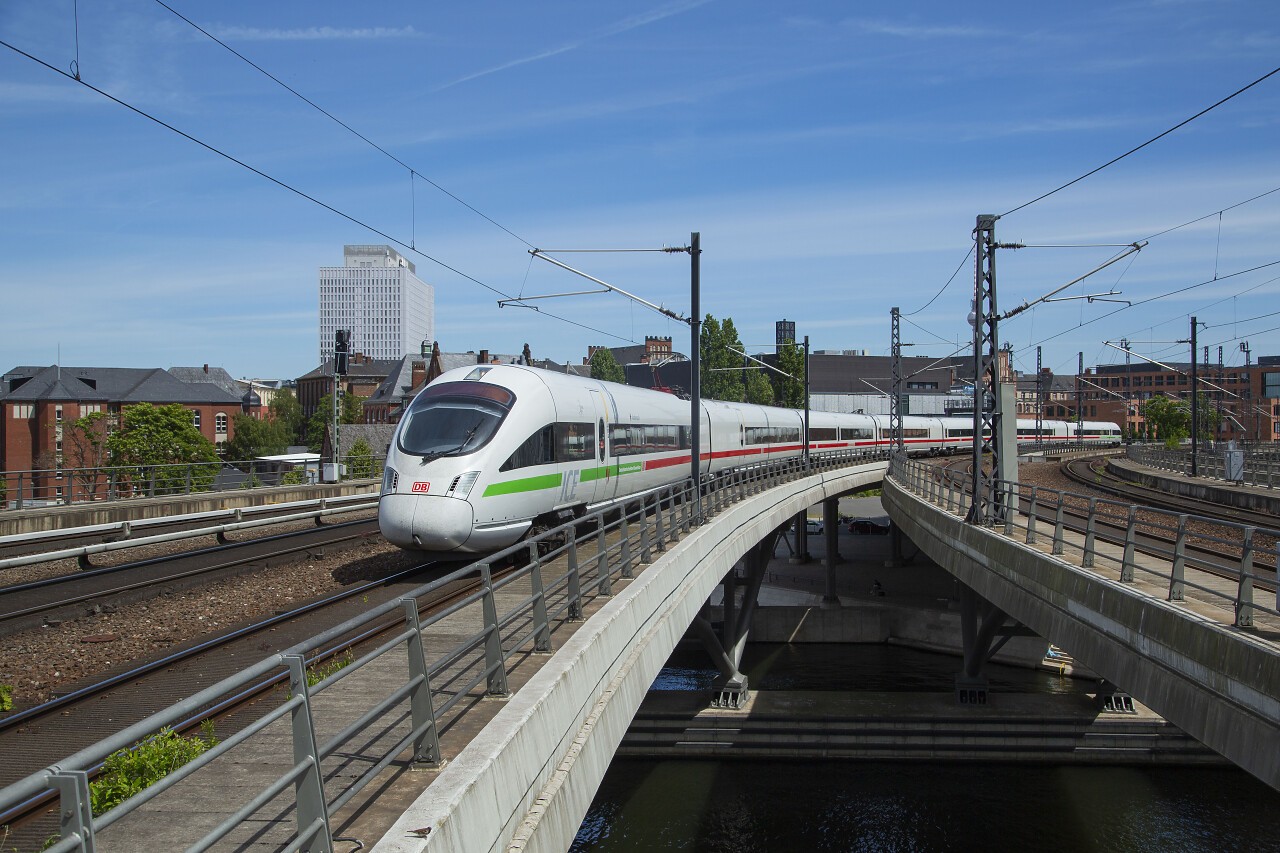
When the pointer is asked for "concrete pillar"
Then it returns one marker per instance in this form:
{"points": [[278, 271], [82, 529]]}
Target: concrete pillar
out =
{"points": [[831, 530], [801, 556]]}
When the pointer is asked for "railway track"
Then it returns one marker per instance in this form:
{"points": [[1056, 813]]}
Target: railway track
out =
{"points": [[1087, 472], [51, 540], [30, 738], [28, 605], [1213, 550]]}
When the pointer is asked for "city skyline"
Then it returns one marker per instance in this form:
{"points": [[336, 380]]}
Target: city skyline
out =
{"points": [[832, 161]]}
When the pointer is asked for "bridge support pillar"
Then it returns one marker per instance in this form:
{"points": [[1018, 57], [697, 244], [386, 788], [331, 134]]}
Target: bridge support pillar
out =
{"points": [[801, 555], [984, 630], [731, 690], [831, 530]]}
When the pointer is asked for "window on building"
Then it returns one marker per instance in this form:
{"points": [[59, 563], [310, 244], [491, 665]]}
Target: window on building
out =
{"points": [[220, 422], [195, 418], [57, 414]]}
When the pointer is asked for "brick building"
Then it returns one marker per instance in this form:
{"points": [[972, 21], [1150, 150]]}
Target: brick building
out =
{"points": [[35, 402], [362, 379], [1247, 398]]}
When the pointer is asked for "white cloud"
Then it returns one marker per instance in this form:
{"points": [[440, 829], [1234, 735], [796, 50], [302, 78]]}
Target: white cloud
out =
{"points": [[912, 31], [629, 23], [313, 33]]}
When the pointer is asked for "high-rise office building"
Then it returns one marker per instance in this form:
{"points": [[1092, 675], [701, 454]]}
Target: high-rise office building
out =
{"points": [[375, 294]]}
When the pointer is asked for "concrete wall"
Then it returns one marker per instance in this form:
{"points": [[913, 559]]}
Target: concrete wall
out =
{"points": [[526, 781], [1219, 684]]}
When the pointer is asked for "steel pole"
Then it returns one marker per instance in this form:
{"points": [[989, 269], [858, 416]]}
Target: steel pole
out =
{"points": [[695, 356], [806, 402], [1195, 404]]}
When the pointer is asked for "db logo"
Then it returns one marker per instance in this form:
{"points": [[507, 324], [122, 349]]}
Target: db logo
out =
{"points": [[421, 486]]}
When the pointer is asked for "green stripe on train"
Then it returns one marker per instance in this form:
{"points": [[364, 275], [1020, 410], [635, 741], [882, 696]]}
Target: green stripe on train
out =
{"points": [[528, 484], [589, 474]]}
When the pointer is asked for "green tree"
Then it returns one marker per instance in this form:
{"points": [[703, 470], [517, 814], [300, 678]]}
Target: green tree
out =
{"points": [[162, 435], [720, 376], [285, 408], [257, 437], [759, 389], [84, 442], [360, 460], [1170, 419], [788, 391], [352, 413], [605, 367]]}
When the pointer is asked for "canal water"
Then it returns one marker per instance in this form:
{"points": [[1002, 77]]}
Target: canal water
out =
{"points": [[886, 807]]}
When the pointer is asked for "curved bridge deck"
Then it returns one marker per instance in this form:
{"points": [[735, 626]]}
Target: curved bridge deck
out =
{"points": [[1201, 650], [526, 702]]}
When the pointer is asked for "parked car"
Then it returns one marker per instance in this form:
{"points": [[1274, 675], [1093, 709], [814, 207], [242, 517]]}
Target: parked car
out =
{"points": [[868, 527], [812, 527]]}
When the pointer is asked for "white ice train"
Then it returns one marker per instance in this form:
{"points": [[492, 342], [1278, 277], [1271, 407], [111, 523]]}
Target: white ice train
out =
{"points": [[486, 454]]}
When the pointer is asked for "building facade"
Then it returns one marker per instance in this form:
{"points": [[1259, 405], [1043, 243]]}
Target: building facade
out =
{"points": [[36, 403], [1245, 400], [377, 295]]}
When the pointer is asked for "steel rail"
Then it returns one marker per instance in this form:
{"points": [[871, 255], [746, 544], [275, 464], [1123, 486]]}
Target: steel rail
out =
{"points": [[85, 551]]}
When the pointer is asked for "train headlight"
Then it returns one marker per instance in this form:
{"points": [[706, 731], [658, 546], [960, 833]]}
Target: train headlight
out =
{"points": [[390, 479], [461, 485]]}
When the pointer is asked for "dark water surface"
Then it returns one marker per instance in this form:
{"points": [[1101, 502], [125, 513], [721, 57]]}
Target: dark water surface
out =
{"points": [[886, 807]]}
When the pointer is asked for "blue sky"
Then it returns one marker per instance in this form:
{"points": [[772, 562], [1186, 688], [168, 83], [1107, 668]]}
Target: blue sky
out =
{"points": [[833, 157]]}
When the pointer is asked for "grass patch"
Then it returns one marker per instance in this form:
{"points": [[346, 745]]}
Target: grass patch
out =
{"points": [[315, 675], [129, 771]]}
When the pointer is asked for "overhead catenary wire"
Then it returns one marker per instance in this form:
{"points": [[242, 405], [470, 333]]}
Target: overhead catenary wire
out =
{"points": [[301, 194], [944, 287], [1155, 299], [412, 171], [1145, 144]]}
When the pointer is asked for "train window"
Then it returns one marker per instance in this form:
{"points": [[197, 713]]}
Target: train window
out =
{"points": [[537, 449], [447, 418], [573, 442], [822, 433], [855, 433], [917, 432], [633, 439]]}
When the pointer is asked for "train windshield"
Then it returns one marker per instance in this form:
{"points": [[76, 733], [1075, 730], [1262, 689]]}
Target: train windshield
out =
{"points": [[454, 418]]}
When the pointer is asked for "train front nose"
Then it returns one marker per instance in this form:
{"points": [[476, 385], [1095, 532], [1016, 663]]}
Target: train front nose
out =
{"points": [[425, 522]]}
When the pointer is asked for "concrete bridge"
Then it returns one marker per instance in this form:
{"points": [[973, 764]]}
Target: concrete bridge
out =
{"points": [[1199, 649], [510, 759], [526, 782]]}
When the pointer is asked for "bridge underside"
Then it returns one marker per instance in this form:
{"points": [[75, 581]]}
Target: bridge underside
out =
{"points": [[526, 781], [1218, 683]]}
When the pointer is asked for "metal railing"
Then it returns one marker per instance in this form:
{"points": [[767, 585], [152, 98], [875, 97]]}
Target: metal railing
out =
{"points": [[1020, 510], [616, 541], [50, 487], [1260, 469], [126, 530]]}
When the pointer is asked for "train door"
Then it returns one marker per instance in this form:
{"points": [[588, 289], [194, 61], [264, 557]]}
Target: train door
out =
{"points": [[605, 470]]}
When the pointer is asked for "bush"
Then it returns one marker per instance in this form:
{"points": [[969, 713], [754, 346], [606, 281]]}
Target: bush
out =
{"points": [[129, 771]]}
